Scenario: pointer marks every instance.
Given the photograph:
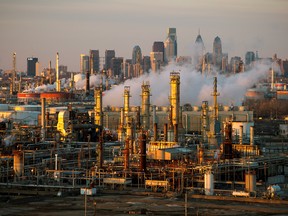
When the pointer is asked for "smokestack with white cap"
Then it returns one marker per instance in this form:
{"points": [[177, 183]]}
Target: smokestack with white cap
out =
{"points": [[58, 81]]}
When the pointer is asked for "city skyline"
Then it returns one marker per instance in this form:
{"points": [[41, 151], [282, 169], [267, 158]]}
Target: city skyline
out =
{"points": [[41, 28]]}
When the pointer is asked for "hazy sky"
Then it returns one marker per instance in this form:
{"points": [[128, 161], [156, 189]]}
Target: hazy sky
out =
{"points": [[40, 28]]}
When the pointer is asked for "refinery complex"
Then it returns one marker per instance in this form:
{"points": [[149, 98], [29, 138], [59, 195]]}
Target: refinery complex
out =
{"points": [[64, 140]]}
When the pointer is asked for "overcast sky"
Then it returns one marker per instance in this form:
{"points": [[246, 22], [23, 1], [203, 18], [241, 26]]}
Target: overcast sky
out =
{"points": [[40, 28]]}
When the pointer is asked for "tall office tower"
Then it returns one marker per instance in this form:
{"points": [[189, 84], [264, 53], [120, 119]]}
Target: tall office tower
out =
{"points": [[170, 45], [146, 64], [84, 63], [128, 69], [37, 69], [116, 66], [236, 64], [217, 52], [249, 57], [198, 54], [94, 61], [158, 46], [31, 66], [137, 55], [109, 54], [156, 59]]}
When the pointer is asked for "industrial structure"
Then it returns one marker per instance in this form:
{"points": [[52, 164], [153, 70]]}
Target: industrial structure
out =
{"points": [[207, 150]]}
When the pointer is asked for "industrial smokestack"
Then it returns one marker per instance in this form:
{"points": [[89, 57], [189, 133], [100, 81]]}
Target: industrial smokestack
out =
{"points": [[100, 150], [215, 94], [12, 88], [87, 83], [175, 96], [43, 122], [251, 135], [50, 74], [58, 81]]}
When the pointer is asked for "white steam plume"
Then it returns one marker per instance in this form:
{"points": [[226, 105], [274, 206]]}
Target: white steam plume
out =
{"points": [[194, 87]]}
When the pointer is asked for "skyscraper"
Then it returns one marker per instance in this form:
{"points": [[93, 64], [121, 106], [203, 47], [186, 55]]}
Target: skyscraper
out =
{"points": [[217, 52], [249, 57], [156, 59], [109, 54], [170, 45], [137, 55], [158, 46], [31, 66], [84, 63], [198, 54], [116, 66], [94, 61]]}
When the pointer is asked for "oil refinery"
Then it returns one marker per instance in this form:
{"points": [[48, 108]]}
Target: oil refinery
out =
{"points": [[54, 144]]}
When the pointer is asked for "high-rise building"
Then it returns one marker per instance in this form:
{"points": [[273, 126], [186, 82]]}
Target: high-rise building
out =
{"points": [[158, 46], [31, 66], [116, 66], [249, 57], [217, 52], [84, 63], [137, 55], [170, 45], [156, 59], [109, 55], [146, 64], [128, 69], [198, 53], [94, 61]]}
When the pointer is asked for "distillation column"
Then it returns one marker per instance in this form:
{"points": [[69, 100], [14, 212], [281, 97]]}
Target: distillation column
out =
{"points": [[204, 120], [145, 108], [126, 103], [175, 101], [98, 106], [43, 122], [215, 125], [58, 81], [12, 88]]}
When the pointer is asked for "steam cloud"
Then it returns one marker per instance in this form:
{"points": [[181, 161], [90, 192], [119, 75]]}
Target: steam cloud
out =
{"points": [[194, 87]]}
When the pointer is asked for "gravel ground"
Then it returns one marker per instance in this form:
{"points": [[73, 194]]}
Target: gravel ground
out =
{"points": [[115, 204]]}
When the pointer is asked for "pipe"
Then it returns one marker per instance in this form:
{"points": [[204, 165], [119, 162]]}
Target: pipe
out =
{"points": [[251, 135]]}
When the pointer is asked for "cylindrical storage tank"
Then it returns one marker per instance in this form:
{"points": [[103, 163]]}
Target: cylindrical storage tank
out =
{"points": [[209, 183], [18, 163], [250, 181]]}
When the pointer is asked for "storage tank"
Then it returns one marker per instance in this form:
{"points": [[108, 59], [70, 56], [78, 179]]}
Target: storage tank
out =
{"points": [[18, 163], [209, 183], [250, 181]]}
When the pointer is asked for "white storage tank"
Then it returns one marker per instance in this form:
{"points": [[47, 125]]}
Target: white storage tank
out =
{"points": [[209, 183]]}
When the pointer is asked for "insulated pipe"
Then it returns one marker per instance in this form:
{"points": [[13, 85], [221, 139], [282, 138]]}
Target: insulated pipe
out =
{"points": [[251, 135], [126, 154]]}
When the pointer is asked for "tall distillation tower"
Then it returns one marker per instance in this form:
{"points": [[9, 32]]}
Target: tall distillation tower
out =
{"points": [[98, 106], [58, 81], [175, 101], [13, 88], [145, 108]]}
